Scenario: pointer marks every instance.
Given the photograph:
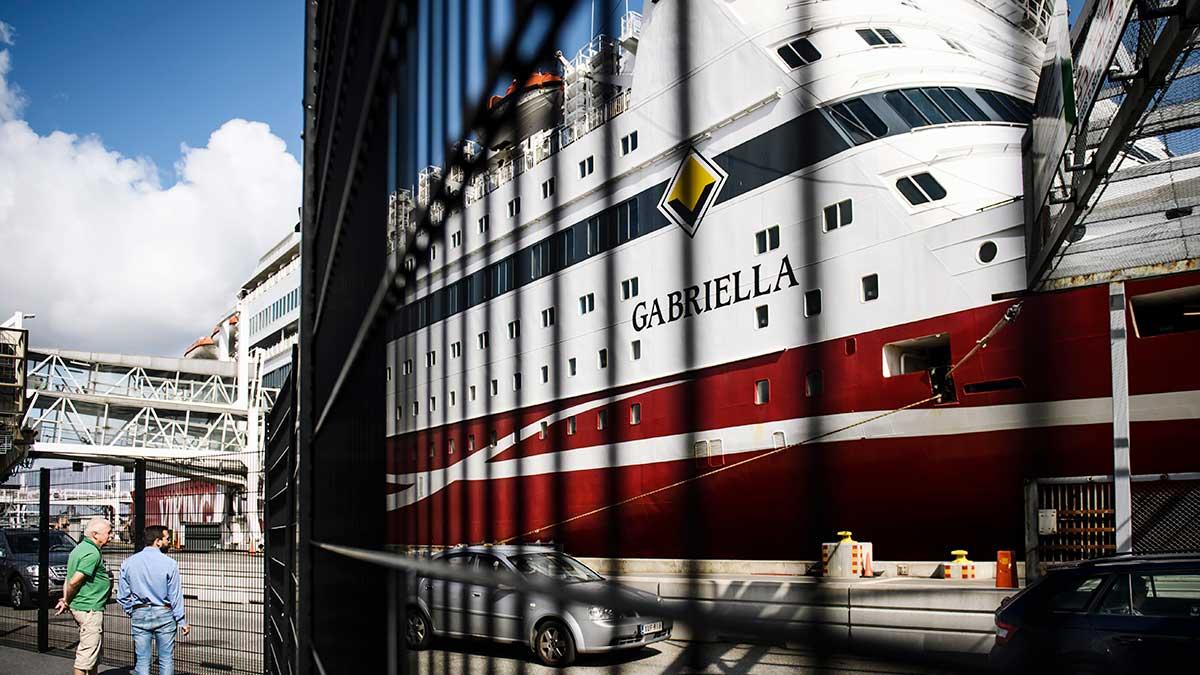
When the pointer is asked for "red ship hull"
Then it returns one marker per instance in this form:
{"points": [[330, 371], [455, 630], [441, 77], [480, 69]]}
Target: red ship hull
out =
{"points": [[948, 476]]}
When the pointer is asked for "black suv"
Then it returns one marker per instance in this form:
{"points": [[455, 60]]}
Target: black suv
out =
{"points": [[1111, 615], [19, 564]]}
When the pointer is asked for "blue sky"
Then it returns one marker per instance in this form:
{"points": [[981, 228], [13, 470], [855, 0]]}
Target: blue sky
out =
{"points": [[148, 76]]}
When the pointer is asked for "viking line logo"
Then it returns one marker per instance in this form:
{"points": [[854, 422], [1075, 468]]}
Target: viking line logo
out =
{"points": [[692, 191]]}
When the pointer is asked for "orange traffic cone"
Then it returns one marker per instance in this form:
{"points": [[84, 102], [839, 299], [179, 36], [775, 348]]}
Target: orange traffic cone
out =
{"points": [[1006, 573]]}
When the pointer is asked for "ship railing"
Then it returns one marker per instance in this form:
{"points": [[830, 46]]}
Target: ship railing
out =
{"points": [[631, 26]]}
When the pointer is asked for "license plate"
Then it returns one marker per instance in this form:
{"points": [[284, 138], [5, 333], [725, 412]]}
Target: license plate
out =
{"points": [[648, 628]]}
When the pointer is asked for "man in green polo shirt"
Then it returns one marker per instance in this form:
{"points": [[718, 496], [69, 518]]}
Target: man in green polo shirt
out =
{"points": [[86, 593]]}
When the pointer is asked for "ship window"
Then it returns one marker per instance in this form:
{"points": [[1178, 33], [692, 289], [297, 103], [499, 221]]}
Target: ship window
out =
{"points": [[547, 317], [542, 429], [587, 303], [779, 440], [870, 287], [700, 449], [456, 349], [629, 143], [878, 36], [408, 367], [587, 166], [601, 419], [635, 350], [814, 383], [603, 358], [516, 382], [916, 355], [453, 399], [635, 413], [545, 374], [495, 387], [399, 412], [761, 316], [859, 122], [839, 215], [1166, 312], [433, 252], [798, 53], [766, 240], [416, 408], [430, 359], [389, 373], [762, 392], [450, 447], [514, 329], [456, 238], [472, 392], [483, 340], [967, 105], [483, 224], [432, 404], [812, 302], [571, 369], [629, 288], [548, 188], [987, 252], [627, 220], [593, 235], [514, 206], [571, 425], [1006, 106], [920, 189]]}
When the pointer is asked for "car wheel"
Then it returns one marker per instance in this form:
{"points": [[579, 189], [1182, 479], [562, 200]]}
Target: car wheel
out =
{"points": [[17, 597], [553, 645], [417, 632]]}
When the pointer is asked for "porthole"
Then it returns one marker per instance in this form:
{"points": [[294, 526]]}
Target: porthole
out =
{"points": [[987, 252]]}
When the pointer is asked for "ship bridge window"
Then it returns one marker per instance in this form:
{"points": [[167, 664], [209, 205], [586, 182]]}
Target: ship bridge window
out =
{"points": [[1165, 312], [877, 37], [1010, 108], [920, 189], [798, 53], [934, 105], [858, 121], [917, 355]]}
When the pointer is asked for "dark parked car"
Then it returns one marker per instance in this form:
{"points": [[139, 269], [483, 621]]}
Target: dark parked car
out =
{"points": [[1112, 615], [19, 564]]}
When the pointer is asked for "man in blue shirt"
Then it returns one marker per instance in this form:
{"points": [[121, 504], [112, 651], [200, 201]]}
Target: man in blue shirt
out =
{"points": [[152, 596]]}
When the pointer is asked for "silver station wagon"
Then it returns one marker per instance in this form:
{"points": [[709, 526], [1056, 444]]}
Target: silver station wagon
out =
{"points": [[554, 631]]}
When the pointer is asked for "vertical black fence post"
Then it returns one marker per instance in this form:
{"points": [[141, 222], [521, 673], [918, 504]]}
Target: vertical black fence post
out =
{"points": [[44, 562], [139, 504]]}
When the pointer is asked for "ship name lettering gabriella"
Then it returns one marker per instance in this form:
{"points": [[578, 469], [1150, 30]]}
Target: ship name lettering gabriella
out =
{"points": [[713, 294]]}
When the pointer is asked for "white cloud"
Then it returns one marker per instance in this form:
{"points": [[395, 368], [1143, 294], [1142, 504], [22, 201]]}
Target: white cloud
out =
{"points": [[7, 34], [111, 261]]}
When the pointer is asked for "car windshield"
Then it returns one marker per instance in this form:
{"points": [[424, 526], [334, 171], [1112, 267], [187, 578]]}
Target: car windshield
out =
{"points": [[554, 565], [23, 543]]}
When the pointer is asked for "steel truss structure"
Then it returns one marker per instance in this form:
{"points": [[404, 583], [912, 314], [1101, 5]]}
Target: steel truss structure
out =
{"points": [[189, 418]]}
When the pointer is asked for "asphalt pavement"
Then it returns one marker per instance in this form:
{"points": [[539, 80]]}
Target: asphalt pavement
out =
{"points": [[669, 656]]}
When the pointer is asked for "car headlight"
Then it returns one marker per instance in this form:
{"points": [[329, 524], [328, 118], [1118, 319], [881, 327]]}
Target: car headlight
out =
{"points": [[601, 613], [31, 570]]}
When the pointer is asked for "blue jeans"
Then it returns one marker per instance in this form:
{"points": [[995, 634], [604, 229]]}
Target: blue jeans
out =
{"points": [[154, 623]]}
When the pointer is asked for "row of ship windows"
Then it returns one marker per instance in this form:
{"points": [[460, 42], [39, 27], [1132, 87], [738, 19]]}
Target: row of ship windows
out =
{"points": [[275, 311], [814, 385], [801, 52]]}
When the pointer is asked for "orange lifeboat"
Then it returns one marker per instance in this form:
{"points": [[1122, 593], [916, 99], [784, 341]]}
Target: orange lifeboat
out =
{"points": [[538, 105]]}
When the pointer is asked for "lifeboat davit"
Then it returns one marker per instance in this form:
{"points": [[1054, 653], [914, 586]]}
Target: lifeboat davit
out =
{"points": [[538, 105]]}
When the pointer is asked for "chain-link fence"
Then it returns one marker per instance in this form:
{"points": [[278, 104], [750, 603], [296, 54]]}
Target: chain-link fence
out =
{"points": [[216, 541]]}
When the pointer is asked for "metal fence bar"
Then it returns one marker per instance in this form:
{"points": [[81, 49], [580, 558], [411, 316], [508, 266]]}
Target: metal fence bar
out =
{"points": [[43, 631]]}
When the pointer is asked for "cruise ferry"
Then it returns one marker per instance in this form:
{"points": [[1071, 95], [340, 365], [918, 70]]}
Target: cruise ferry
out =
{"points": [[747, 312]]}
